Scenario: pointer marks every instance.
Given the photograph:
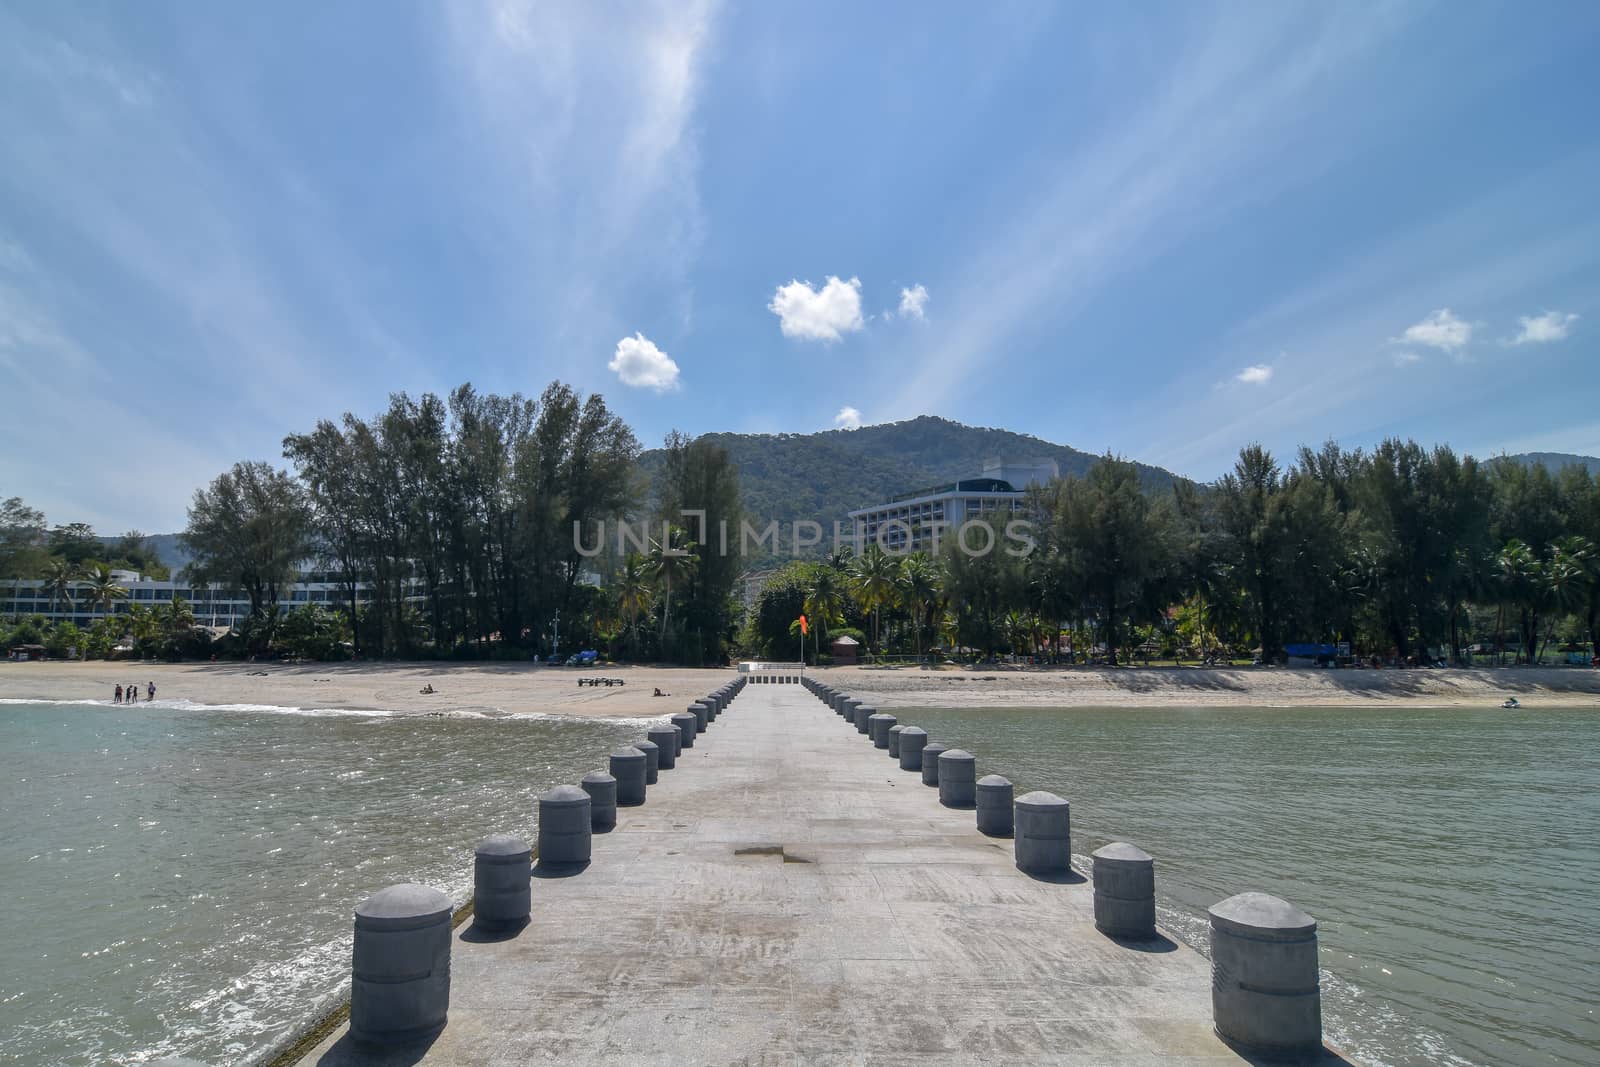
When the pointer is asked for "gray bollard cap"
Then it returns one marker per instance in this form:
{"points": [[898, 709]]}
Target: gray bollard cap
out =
{"points": [[627, 752], [957, 755], [402, 907], [645, 746], [994, 781], [1262, 916], [503, 848], [1122, 852], [564, 796], [1039, 800], [912, 731], [598, 778]]}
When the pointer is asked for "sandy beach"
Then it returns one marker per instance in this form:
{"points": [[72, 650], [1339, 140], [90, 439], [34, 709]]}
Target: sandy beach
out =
{"points": [[520, 689]]}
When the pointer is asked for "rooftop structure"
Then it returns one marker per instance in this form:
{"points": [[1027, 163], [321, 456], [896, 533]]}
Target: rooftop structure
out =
{"points": [[922, 517]]}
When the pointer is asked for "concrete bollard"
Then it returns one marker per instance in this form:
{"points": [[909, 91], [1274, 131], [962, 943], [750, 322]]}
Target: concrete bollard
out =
{"points": [[842, 705], [880, 732], [912, 741], [713, 707], [958, 778], [994, 806], [1265, 992], [565, 826], [628, 768], [502, 872], [687, 726], [702, 716], [400, 965], [860, 714], [1043, 825], [652, 760], [873, 722], [667, 739], [894, 741], [930, 761], [1125, 891], [602, 790]]}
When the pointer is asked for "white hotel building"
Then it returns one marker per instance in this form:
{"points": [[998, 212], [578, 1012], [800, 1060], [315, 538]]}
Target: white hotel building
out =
{"points": [[215, 606], [940, 511]]}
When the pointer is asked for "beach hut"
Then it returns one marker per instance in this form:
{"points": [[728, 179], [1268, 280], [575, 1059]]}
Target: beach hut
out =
{"points": [[846, 650], [24, 653]]}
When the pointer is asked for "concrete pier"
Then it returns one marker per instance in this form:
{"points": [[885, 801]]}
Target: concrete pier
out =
{"points": [[787, 898]]}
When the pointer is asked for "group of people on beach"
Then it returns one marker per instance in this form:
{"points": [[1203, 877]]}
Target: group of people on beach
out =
{"points": [[132, 693]]}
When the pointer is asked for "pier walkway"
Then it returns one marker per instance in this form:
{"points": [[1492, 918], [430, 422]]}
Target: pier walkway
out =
{"points": [[788, 895]]}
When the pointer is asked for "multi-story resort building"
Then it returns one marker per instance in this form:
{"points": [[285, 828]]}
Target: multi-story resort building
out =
{"points": [[216, 607], [918, 519]]}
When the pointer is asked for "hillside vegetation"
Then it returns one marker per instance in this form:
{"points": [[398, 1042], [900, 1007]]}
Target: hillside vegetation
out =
{"points": [[824, 476]]}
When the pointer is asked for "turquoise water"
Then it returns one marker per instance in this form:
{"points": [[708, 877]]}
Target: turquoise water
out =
{"points": [[179, 881], [1452, 856]]}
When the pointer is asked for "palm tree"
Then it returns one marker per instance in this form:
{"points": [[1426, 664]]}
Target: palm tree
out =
{"points": [[60, 578], [104, 590], [142, 625], [824, 599], [872, 583], [918, 583], [674, 559], [634, 592], [174, 619]]}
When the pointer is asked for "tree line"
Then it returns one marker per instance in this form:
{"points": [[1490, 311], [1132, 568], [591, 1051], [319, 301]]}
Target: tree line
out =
{"points": [[1400, 552], [448, 527]]}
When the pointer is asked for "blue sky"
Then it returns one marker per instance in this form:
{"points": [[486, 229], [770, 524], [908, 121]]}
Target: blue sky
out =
{"points": [[1160, 229]]}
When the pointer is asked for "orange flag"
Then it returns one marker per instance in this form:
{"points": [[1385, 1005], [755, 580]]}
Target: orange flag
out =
{"points": [[803, 628]]}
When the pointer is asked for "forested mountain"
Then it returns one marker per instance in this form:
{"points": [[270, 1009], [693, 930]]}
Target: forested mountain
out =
{"points": [[1555, 462], [823, 476]]}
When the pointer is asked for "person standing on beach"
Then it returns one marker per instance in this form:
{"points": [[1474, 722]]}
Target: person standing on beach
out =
{"points": [[150, 693], [118, 698]]}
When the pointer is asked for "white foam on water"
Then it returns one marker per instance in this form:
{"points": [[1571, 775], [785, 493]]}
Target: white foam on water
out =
{"points": [[191, 705]]}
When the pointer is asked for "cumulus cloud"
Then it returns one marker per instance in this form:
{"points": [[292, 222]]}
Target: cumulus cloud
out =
{"points": [[1542, 329], [847, 419], [1256, 374], [639, 363], [913, 302], [1440, 330], [818, 314]]}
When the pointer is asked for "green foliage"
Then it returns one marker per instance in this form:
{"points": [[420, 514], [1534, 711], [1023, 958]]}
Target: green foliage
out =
{"points": [[823, 476], [248, 529]]}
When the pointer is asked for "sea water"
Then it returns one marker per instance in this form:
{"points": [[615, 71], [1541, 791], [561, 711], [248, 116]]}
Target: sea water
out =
{"points": [[1451, 856], [179, 880]]}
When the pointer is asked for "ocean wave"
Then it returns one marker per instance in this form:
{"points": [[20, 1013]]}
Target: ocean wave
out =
{"points": [[191, 705]]}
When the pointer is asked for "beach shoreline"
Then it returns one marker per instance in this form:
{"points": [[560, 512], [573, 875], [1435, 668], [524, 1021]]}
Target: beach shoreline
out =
{"points": [[512, 689]]}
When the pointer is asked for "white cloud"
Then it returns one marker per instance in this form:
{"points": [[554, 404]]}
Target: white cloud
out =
{"points": [[1540, 329], [913, 302], [818, 314], [847, 419], [1439, 330], [641, 364], [1257, 374], [1406, 359]]}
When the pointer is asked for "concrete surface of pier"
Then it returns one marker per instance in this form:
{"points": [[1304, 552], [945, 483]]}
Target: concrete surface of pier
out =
{"points": [[787, 894]]}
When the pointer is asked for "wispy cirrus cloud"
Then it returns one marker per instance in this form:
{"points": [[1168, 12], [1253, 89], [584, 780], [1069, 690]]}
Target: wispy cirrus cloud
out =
{"points": [[1202, 135]]}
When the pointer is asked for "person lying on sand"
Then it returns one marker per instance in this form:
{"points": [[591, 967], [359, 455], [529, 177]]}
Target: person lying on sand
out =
{"points": [[659, 693], [427, 689]]}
